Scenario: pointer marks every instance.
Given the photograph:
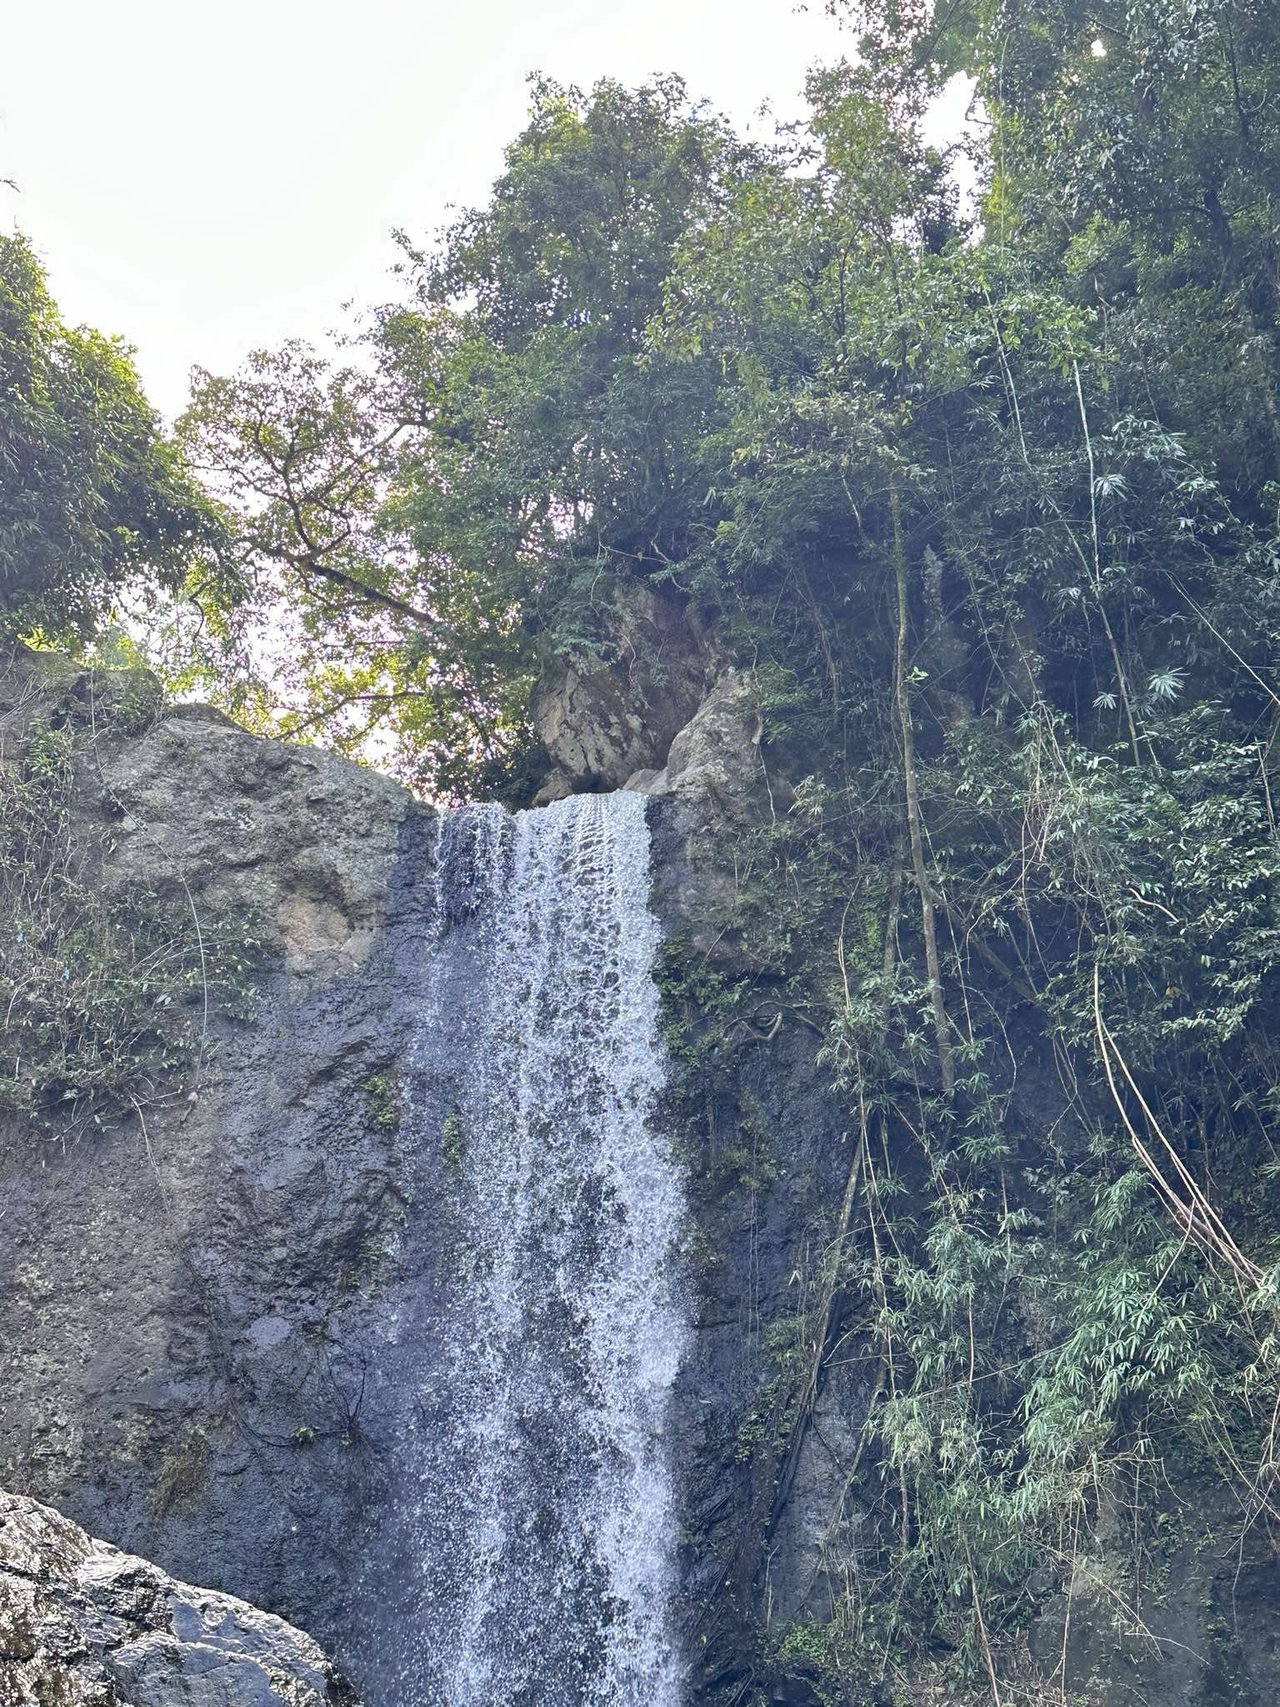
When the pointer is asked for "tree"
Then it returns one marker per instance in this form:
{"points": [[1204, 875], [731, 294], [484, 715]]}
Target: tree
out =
{"points": [[94, 498], [1135, 146], [426, 523], [357, 623], [996, 524]]}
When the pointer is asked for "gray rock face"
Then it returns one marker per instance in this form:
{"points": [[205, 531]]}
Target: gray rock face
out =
{"points": [[302, 842], [604, 719], [713, 761], [192, 1299], [84, 1625], [713, 788]]}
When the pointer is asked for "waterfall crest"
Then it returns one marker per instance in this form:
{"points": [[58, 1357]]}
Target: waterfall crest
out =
{"points": [[544, 1495]]}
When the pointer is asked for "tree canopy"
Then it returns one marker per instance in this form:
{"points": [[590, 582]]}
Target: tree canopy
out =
{"points": [[427, 522], [93, 497]]}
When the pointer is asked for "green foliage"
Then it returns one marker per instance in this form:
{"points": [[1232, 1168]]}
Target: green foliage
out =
{"points": [[182, 1473], [699, 1001], [1049, 1325], [91, 992], [94, 499], [385, 1098], [750, 1161], [377, 632], [427, 526], [1001, 519], [453, 1141]]}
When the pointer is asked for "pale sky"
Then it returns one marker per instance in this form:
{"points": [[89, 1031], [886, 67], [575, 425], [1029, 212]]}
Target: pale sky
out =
{"points": [[208, 179]]}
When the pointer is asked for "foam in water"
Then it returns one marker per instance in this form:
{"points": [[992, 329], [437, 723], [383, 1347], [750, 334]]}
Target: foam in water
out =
{"points": [[544, 1493]]}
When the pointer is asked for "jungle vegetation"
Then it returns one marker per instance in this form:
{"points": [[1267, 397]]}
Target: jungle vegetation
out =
{"points": [[985, 484]]}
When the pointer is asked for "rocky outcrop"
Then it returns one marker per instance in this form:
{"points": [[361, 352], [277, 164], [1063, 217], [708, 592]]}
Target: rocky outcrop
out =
{"points": [[713, 762], [617, 711], [285, 840], [84, 1625], [713, 790]]}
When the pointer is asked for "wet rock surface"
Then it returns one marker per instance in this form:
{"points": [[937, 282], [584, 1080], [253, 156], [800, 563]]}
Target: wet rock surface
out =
{"points": [[192, 1296]]}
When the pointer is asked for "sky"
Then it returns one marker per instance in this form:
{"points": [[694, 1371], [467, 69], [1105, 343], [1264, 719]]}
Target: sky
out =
{"points": [[206, 179]]}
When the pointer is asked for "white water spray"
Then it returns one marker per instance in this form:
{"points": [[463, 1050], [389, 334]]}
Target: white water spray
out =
{"points": [[545, 1495]]}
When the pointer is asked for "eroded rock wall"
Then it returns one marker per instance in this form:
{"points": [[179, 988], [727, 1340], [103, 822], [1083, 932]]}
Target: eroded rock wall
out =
{"points": [[189, 1296], [604, 716]]}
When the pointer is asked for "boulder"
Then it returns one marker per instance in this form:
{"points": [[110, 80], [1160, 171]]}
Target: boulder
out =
{"points": [[84, 1625], [713, 762]]}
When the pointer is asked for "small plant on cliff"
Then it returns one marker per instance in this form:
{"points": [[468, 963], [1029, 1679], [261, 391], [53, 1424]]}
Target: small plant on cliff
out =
{"points": [[384, 1094], [182, 1473], [453, 1142]]}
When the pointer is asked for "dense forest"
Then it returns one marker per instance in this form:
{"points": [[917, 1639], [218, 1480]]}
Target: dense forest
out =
{"points": [[972, 452]]}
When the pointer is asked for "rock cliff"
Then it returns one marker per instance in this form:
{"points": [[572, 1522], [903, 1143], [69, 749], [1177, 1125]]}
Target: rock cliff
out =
{"points": [[198, 1296], [200, 1293]]}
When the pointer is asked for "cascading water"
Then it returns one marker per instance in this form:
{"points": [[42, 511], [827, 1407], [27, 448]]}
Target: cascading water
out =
{"points": [[537, 1477]]}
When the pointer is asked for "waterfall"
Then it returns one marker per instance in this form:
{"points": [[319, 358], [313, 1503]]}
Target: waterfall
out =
{"points": [[541, 1490]]}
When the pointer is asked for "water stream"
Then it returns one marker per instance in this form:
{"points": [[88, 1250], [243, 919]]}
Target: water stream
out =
{"points": [[542, 1487]]}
